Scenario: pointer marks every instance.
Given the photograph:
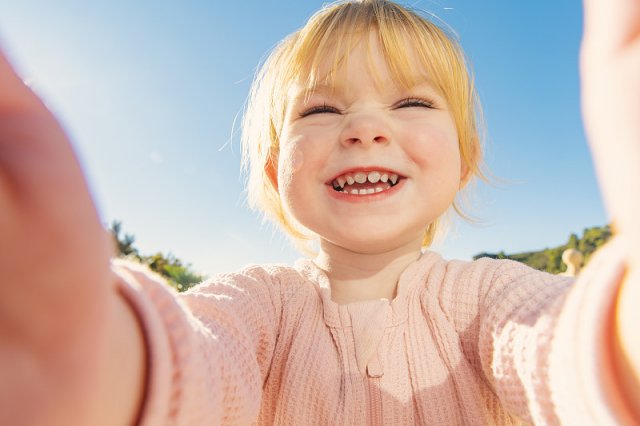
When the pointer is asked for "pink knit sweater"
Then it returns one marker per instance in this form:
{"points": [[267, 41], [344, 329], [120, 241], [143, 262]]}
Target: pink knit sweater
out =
{"points": [[463, 343]]}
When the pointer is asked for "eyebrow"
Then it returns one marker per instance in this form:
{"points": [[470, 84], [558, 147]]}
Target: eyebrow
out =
{"points": [[304, 93], [318, 88], [299, 94]]}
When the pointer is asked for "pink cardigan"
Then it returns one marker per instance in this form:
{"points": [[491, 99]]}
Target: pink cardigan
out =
{"points": [[463, 343]]}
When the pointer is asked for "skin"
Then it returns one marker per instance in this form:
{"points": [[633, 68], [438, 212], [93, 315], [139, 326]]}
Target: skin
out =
{"points": [[68, 344], [71, 347], [610, 68], [368, 123]]}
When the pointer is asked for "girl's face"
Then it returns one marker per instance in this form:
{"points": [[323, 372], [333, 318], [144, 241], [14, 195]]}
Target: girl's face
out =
{"points": [[368, 164]]}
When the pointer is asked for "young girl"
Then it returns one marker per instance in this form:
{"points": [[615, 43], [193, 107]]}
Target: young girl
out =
{"points": [[360, 133]]}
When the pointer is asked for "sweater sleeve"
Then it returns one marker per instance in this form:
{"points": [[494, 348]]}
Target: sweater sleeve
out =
{"points": [[208, 349], [543, 341]]}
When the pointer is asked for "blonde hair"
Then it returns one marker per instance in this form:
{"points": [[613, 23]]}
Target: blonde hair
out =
{"points": [[331, 33]]}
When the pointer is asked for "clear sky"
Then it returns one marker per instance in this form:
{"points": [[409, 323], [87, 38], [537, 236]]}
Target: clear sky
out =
{"points": [[149, 92]]}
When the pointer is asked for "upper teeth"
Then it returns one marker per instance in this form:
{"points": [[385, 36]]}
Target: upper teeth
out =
{"points": [[373, 176], [360, 177]]}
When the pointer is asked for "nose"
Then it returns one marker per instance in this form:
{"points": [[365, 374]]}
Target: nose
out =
{"points": [[365, 129]]}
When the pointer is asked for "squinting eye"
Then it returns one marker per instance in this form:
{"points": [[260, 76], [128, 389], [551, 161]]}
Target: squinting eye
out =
{"points": [[320, 109], [414, 102]]}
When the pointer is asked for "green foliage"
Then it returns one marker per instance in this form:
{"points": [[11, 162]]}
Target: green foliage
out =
{"points": [[124, 242], [573, 241], [178, 275], [181, 277], [593, 238], [550, 259]]}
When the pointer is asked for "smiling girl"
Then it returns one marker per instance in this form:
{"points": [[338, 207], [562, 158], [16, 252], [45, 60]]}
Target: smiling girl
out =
{"points": [[360, 133]]}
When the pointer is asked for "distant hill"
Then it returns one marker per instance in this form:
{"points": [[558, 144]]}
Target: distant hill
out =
{"points": [[550, 259]]}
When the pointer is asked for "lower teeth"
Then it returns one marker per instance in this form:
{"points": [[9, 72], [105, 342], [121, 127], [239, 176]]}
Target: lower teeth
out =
{"points": [[364, 191]]}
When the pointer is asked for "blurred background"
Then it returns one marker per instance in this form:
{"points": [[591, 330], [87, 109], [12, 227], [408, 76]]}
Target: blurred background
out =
{"points": [[152, 92]]}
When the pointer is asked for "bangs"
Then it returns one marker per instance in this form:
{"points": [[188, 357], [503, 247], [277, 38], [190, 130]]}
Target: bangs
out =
{"points": [[414, 51]]}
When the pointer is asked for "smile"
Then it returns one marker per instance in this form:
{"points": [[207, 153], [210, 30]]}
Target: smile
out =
{"points": [[365, 182]]}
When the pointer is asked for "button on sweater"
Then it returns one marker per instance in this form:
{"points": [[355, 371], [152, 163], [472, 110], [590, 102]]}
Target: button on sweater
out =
{"points": [[462, 343]]}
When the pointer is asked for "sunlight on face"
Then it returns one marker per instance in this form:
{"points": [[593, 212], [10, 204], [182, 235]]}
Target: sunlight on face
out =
{"points": [[366, 124]]}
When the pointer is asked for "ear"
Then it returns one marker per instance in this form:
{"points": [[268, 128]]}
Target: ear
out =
{"points": [[465, 174], [469, 162], [271, 168]]}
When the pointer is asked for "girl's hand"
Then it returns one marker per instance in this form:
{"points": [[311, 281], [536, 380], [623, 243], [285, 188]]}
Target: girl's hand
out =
{"points": [[58, 311], [610, 66], [611, 105]]}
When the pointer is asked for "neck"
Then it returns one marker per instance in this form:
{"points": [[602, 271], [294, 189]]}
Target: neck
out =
{"points": [[357, 276]]}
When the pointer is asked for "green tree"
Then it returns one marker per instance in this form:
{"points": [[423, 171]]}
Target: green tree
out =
{"points": [[177, 274], [171, 268], [573, 241], [124, 242], [550, 259]]}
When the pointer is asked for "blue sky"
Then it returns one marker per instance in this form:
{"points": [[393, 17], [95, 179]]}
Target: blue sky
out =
{"points": [[149, 92]]}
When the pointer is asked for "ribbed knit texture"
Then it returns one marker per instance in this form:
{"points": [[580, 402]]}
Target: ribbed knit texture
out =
{"points": [[463, 343]]}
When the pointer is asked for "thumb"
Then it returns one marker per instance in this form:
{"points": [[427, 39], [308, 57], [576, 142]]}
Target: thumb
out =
{"points": [[14, 94], [611, 25]]}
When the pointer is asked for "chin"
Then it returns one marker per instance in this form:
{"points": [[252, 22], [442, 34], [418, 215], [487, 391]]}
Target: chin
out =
{"points": [[377, 244]]}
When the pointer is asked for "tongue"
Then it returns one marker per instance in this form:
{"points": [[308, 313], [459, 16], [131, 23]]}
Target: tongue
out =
{"points": [[367, 185], [358, 186]]}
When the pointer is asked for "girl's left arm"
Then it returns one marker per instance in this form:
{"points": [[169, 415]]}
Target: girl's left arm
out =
{"points": [[610, 69]]}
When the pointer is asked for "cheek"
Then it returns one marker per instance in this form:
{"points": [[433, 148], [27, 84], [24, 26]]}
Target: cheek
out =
{"points": [[436, 147], [302, 155], [291, 161]]}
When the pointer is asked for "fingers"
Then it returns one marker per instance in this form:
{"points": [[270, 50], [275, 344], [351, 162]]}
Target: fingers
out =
{"points": [[55, 291], [45, 203], [15, 96], [611, 25], [610, 70]]}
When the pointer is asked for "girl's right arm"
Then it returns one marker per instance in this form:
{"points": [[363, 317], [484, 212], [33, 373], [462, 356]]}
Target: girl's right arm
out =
{"points": [[71, 349], [210, 349], [86, 342]]}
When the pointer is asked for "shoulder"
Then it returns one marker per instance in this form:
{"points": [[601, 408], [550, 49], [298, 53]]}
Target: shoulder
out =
{"points": [[485, 268], [485, 278], [440, 272], [255, 281], [259, 273]]}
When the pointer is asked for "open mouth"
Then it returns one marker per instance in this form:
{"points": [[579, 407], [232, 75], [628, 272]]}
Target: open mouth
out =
{"points": [[365, 182]]}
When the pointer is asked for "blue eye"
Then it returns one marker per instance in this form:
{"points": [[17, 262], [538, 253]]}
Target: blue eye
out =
{"points": [[320, 109], [415, 102]]}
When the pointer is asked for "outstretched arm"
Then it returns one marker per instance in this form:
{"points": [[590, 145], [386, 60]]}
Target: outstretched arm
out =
{"points": [[71, 351], [611, 106]]}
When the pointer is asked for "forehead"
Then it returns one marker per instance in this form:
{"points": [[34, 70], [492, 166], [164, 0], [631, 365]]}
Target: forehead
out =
{"points": [[337, 60]]}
